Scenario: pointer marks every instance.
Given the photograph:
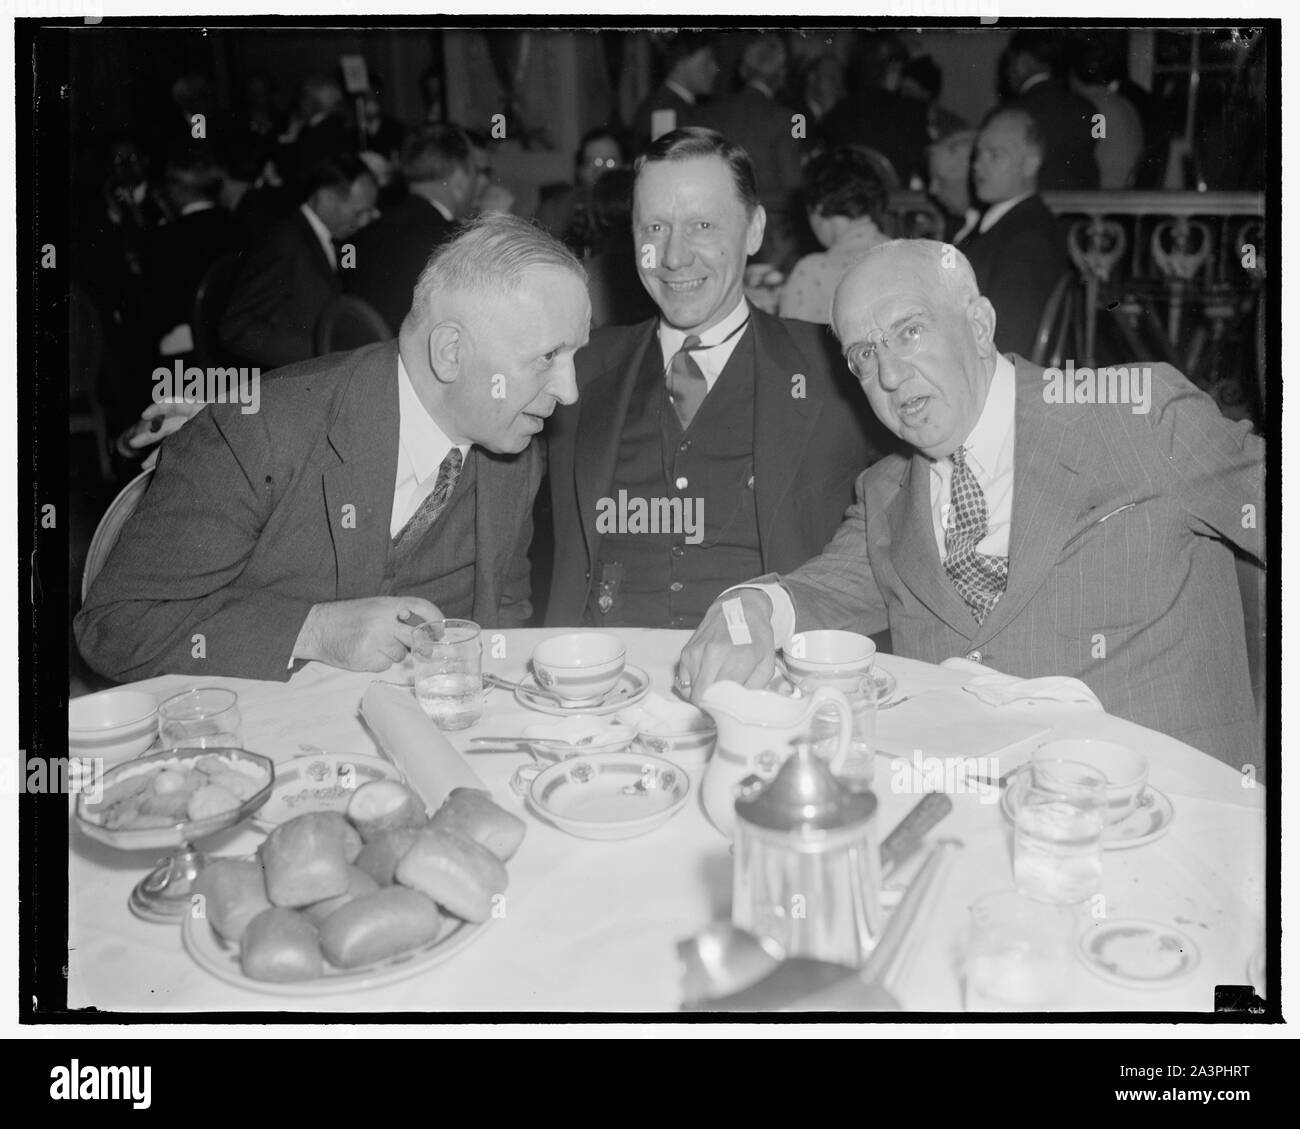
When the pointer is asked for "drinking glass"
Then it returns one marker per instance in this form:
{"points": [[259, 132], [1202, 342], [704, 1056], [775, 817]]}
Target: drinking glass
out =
{"points": [[206, 718], [1060, 809], [447, 657], [1019, 954]]}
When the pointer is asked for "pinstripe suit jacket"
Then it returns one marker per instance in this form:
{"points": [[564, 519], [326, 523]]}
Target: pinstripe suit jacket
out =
{"points": [[1119, 573]]}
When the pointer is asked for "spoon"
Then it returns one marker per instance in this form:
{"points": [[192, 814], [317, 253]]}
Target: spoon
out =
{"points": [[506, 684], [549, 742]]}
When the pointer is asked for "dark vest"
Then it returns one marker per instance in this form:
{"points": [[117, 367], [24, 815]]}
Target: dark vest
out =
{"points": [[681, 525], [441, 567]]}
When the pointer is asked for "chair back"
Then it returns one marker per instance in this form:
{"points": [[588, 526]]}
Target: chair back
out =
{"points": [[349, 323], [1058, 330], [210, 302], [110, 526]]}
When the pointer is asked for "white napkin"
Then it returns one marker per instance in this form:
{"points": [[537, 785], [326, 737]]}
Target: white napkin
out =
{"points": [[413, 743], [996, 689]]}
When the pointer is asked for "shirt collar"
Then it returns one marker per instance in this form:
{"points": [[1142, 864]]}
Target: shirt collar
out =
{"points": [[761, 87], [322, 232], [1034, 80], [681, 91], [424, 444], [197, 206], [997, 211], [671, 338]]}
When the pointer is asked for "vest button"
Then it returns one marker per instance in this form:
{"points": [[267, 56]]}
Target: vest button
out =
{"points": [[975, 656], [682, 482], [679, 551], [684, 445], [676, 586]]}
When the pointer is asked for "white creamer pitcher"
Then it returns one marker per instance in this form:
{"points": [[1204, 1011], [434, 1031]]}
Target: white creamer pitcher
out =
{"points": [[757, 730]]}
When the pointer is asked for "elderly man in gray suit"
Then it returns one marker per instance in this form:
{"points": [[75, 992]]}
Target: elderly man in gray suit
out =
{"points": [[1045, 522], [393, 481]]}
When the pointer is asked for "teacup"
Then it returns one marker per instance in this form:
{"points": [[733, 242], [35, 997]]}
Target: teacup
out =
{"points": [[113, 725], [829, 658], [581, 667], [1125, 770]]}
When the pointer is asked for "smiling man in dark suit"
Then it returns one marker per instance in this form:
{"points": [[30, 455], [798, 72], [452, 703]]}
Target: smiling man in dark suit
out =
{"points": [[712, 441], [1039, 534], [396, 479], [288, 281]]}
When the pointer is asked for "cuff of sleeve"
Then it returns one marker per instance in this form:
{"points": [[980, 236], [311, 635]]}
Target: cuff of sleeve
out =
{"points": [[782, 610]]}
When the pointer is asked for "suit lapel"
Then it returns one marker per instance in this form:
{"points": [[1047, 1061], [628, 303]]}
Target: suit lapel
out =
{"points": [[1043, 498], [604, 405], [364, 436], [320, 261], [495, 504], [915, 552], [783, 423]]}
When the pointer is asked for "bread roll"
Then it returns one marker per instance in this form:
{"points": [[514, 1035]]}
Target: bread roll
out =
{"points": [[211, 800], [459, 874], [280, 944], [359, 884], [380, 857], [306, 859], [384, 805], [378, 926], [234, 892], [477, 816]]}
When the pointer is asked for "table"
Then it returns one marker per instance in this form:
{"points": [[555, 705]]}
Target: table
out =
{"points": [[593, 926]]}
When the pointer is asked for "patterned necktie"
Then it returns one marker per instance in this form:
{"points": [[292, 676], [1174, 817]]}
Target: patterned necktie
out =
{"points": [[412, 533], [979, 577], [686, 384]]}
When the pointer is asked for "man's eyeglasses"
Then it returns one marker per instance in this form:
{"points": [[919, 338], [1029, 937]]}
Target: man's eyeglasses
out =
{"points": [[864, 356]]}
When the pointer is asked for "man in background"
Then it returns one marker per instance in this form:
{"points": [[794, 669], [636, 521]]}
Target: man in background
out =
{"points": [[1017, 249], [391, 252], [287, 282], [692, 70]]}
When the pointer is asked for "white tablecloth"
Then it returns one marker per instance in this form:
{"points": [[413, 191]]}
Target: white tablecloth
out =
{"points": [[593, 926]]}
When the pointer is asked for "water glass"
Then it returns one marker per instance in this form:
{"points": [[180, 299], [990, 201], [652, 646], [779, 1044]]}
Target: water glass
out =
{"points": [[1019, 954], [206, 718], [447, 657], [1060, 809]]}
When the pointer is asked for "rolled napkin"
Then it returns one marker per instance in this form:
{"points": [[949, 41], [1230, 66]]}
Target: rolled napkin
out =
{"points": [[433, 768], [996, 689]]}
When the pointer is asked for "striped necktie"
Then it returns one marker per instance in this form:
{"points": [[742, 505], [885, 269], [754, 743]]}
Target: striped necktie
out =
{"points": [[412, 533], [978, 577]]}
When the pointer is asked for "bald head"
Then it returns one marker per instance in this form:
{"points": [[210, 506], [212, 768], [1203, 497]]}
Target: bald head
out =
{"points": [[919, 338], [1008, 155]]}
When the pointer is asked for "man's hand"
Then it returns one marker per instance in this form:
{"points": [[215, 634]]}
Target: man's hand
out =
{"points": [[158, 421], [369, 634], [710, 656]]}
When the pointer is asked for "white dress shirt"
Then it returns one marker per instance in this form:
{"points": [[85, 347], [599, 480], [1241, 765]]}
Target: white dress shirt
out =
{"points": [[322, 233], [421, 447], [711, 360], [990, 451]]}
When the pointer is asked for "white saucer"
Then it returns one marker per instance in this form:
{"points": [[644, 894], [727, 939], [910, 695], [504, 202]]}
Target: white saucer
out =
{"points": [[886, 684], [1144, 824], [633, 685], [1139, 953]]}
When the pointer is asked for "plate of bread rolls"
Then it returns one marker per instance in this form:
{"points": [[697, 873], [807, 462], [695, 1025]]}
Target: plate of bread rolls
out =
{"points": [[344, 901]]}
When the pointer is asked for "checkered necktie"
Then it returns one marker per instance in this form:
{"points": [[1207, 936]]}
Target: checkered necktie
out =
{"points": [[686, 384], [431, 508], [978, 577]]}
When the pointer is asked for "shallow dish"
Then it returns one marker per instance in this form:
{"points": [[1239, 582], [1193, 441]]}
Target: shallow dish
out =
{"points": [[633, 685], [221, 959], [177, 834], [321, 782], [610, 795], [1139, 953]]}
